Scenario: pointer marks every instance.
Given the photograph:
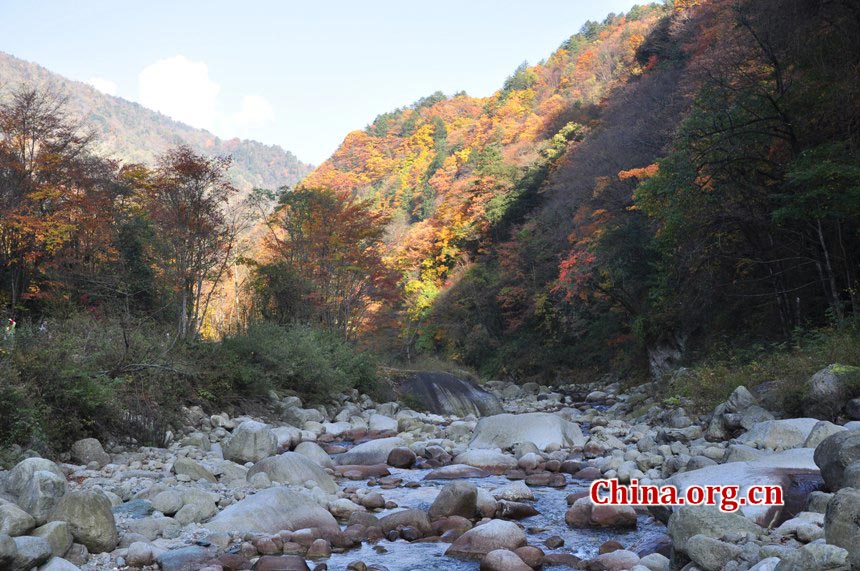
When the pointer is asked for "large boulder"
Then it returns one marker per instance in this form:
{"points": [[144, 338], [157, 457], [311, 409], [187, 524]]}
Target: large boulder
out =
{"points": [[273, 510], [836, 453], [32, 552], [779, 434], [41, 494], [711, 554], [414, 518], [22, 473], [90, 519], [493, 461], [442, 393], [540, 428], [689, 521], [829, 389], [740, 412], [193, 469], [457, 498], [8, 551], [59, 564], [251, 442], [185, 558], [842, 522], [817, 557], [482, 539], [13, 520], [314, 452], [793, 470], [57, 534], [293, 468], [503, 560], [90, 450], [583, 513], [371, 452]]}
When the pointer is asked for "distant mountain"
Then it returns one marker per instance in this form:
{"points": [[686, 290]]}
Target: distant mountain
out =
{"points": [[131, 132]]}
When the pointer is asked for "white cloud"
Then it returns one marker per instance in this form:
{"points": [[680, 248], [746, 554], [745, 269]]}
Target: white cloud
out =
{"points": [[181, 89], [103, 85], [255, 111]]}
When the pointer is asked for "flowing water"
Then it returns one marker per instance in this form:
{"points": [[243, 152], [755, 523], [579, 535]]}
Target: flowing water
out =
{"points": [[550, 502]]}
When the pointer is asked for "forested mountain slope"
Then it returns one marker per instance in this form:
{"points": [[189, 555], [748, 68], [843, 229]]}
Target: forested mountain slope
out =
{"points": [[667, 179], [128, 131]]}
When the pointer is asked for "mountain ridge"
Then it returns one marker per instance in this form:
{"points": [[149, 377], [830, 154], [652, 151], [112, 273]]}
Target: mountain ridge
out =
{"points": [[129, 131]]}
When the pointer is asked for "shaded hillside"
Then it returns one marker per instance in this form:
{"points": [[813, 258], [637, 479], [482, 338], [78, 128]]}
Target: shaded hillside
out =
{"points": [[129, 131]]}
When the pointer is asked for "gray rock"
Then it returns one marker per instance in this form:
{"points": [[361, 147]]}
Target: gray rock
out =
{"points": [[371, 452], [742, 453], [90, 519], [294, 468], [57, 534], [167, 502], [8, 551], [299, 416], [834, 454], [482, 539], [779, 434], [503, 560], [192, 469], [314, 452], [842, 522], [493, 461], [141, 554], [271, 511], [90, 450], [59, 564], [688, 521], [782, 469], [32, 552], [540, 428], [852, 409], [821, 431], [851, 475], [414, 518], [41, 494], [288, 436], [135, 509], [441, 393], [23, 472], [711, 554], [655, 562], [381, 423], [828, 391], [13, 520], [251, 442], [186, 558], [617, 560], [457, 498], [196, 507], [817, 556], [154, 527]]}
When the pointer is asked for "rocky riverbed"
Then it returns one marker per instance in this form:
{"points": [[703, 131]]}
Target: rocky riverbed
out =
{"points": [[363, 485]]}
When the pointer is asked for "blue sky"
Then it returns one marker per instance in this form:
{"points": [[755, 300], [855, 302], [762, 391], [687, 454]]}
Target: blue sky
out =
{"points": [[297, 74]]}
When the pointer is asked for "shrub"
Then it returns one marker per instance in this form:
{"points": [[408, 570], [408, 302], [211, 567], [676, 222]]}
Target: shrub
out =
{"points": [[789, 367], [314, 364]]}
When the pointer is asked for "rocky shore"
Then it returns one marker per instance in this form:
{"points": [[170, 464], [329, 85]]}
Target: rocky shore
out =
{"points": [[493, 479]]}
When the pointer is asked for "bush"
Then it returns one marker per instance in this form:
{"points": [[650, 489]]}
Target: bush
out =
{"points": [[63, 380], [789, 367], [314, 364]]}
